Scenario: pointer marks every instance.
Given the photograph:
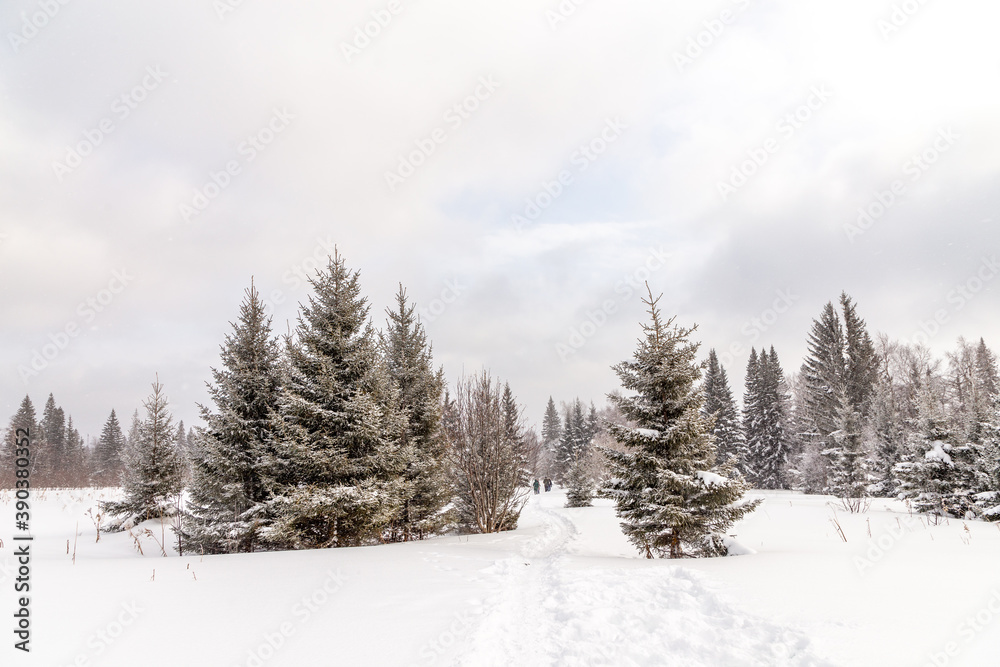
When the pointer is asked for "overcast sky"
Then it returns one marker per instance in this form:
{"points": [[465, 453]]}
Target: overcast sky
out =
{"points": [[721, 151]]}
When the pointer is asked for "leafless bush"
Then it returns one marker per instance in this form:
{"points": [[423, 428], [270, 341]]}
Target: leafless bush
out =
{"points": [[488, 453]]}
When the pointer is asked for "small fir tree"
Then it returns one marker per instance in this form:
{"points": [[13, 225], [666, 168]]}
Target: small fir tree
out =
{"points": [[671, 497]]}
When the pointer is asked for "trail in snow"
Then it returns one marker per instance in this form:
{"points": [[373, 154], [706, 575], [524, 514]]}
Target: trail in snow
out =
{"points": [[552, 607]]}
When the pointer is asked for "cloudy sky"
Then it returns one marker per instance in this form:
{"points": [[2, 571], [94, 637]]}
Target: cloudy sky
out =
{"points": [[521, 167]]}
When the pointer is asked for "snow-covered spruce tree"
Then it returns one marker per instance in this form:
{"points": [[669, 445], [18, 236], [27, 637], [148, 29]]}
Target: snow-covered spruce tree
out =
{"points": [[887, 432], [24, 418], [986, 369], [487, 454], [849, 476], [551, 427], [152, 478], [581, 477], [823, 371], [75, 472], [229, 481], [766, 450], [107, 461], [672, 499], [51, 445], [752, 418], [939, 473], [720, 406], [989, 500], [581, 481], [593, 426], [426, 489], [185, 447], [772, 461], [860, 360], [574, 434], [337, 463], [840, 374]]}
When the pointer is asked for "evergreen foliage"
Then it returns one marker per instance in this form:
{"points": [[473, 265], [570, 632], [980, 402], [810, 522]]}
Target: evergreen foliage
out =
{"points": [[153, 473], [672, 499], [230, 483], [337, 463], [721, 407], [426, 488]]}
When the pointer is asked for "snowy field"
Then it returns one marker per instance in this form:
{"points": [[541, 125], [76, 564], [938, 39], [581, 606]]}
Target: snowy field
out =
{"points": [[563, 589]]}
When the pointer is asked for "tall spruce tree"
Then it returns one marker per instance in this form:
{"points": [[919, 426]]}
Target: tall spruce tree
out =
{"points": [[574, 434], [671, 497], [823, 374], [860, 361], [990, 500], [849, 476], [338, 463], [52, 444], [107, 460], [752, 418], [986, 369], [153, 475], [551, 427], [888, 435], [24, 418], [580, 475], [766, 449], [840, 375], [229, 479], [426, 490], [75, 471], [720, 406]]}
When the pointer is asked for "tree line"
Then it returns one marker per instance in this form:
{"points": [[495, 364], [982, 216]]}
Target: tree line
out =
{"points": [[866, 417], [337, 434], [60, 456]]}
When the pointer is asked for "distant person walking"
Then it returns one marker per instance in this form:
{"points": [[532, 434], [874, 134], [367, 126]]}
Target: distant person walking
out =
{"points": [[548, 484], [535, 486]]}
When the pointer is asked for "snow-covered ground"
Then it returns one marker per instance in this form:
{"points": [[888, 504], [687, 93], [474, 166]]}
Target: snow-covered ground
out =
{"points": [[563, 589]]}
